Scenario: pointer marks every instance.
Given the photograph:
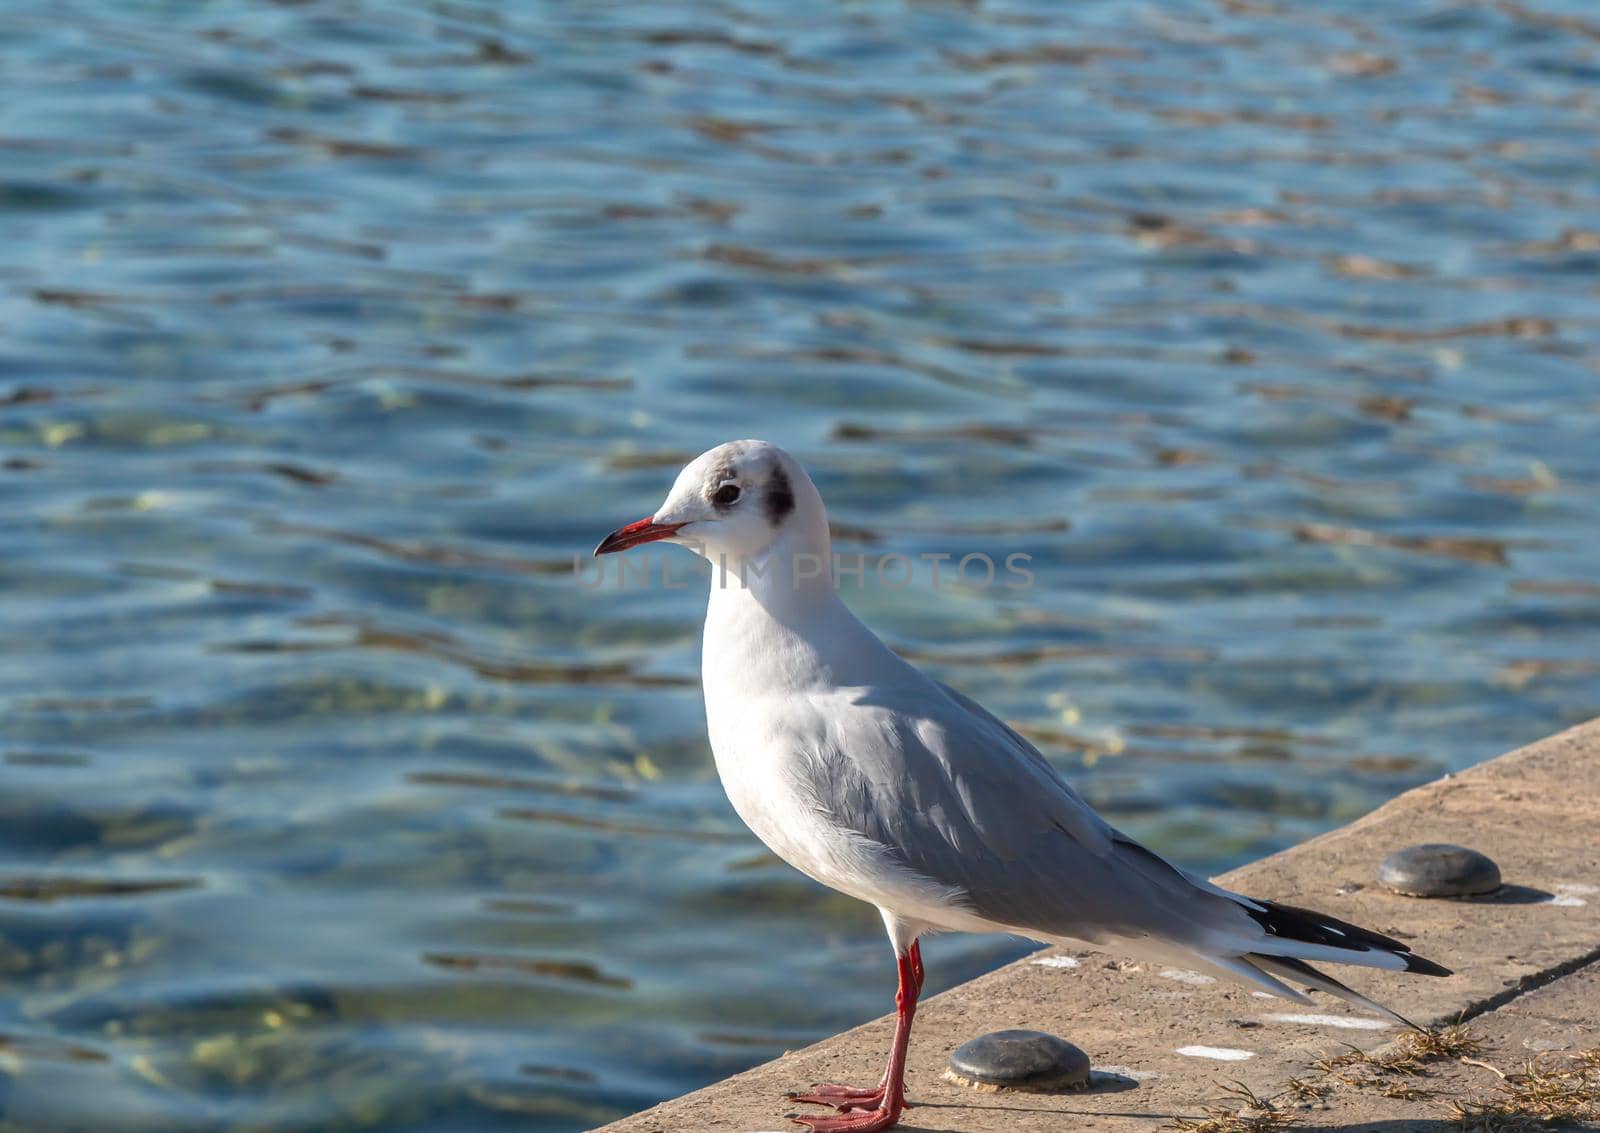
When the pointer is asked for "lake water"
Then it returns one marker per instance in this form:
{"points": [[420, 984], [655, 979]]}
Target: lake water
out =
{"points": [[332, 331]]}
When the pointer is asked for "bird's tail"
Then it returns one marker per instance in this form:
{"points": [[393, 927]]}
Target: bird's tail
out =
{"points": [[1295, 934], [1302, 972]]}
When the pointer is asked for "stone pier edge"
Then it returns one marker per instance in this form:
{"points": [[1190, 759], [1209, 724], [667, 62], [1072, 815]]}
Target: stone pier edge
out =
{"points": [[1527, 964]]}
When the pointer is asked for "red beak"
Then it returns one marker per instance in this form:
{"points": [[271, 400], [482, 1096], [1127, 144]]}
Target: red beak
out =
{"points": [[645, 530]]}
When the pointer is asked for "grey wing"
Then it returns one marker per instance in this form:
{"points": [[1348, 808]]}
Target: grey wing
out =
{"points": [[953, 794]]}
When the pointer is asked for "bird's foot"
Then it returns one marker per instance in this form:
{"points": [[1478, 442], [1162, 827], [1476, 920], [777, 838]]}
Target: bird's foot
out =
{"points": [[840, 1097], [885, 1115]]}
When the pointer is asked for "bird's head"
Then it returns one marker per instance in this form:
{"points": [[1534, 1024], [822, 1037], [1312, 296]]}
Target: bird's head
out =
{"points": [[733, 501]]}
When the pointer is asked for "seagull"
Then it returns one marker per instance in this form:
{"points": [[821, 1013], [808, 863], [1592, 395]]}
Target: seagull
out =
{"points": [[880, 782]]}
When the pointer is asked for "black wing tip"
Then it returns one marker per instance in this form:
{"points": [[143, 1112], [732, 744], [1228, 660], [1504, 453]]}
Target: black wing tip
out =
{"points": [[1425, 967], [1307, 926]]}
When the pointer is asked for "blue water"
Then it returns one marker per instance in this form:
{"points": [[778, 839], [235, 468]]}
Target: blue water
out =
{"points": [[331, 331]]}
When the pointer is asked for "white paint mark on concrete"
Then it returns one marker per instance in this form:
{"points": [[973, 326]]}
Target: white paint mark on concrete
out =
{"points": [[1220, 1053], [1349, 1023], [1056, 962], [1567, 896], [1185, 976]]}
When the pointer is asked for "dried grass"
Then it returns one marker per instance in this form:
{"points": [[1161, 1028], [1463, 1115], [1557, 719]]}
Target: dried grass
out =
{"points": [[1454, 1041], [1551, 1089], [1408, 1057], [1305, 1092], [1249, 1114]]}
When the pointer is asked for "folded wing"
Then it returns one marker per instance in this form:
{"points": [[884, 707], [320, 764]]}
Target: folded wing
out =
{"points": [[954, 795]]}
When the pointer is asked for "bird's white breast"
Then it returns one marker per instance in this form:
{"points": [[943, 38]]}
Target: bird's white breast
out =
{"points": [[764, 750], [758, 764]]}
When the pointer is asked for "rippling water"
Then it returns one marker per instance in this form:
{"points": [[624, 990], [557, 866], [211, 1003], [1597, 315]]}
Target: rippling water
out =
{"points": [[333, 329]]}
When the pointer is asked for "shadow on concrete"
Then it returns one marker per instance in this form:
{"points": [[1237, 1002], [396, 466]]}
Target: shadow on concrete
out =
{"points": [[921, 1120], [1415, 1125], [1106, 1082], [1100, 1082], [924, 1117], [928, 1123], [1511, 895]]}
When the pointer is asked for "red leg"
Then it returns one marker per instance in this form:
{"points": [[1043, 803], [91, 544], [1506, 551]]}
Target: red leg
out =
{"points": [[863, 1097], [870, 1111]]}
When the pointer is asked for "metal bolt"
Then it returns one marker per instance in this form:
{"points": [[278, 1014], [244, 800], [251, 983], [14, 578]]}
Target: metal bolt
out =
{"points": [[1438, 869], [1020, 1060]]}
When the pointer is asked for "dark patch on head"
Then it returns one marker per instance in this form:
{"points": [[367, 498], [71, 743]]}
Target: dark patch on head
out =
{"points": [[780, 497]]}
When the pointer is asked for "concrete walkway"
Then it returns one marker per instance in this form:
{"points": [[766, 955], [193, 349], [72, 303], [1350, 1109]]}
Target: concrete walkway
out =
{"points": [[1168, 1043]]}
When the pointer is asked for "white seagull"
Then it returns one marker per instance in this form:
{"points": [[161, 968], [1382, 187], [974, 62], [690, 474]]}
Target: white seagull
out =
{"points": [[878, 781]]}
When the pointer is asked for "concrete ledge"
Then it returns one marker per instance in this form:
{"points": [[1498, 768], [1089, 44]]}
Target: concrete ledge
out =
{"points": [[1535, 811]]}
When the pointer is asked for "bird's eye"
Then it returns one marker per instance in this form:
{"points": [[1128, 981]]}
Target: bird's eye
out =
{"points": [[726, 495]]}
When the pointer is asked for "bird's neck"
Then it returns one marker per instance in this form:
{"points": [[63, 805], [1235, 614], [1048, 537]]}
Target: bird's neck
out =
{"points": [[779, 623]]}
